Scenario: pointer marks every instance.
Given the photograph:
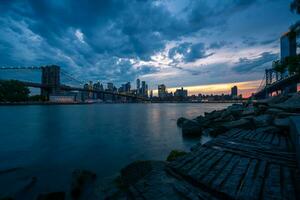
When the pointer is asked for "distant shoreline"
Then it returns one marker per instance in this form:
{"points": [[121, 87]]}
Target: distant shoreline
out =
{"points": [[88, 103]]}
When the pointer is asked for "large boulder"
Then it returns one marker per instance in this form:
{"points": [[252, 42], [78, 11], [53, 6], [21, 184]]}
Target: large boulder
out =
{"points": [[137, 170], [292, 104], [248, 111], [180, 121], [241, 123], [262, 120], [283, 123], [213, 115], [82, 182], [191, 128]]}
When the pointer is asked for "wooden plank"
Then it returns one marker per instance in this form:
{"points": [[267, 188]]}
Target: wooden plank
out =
{"points": [[217, 182], [205, 168], [245, 191], [272, 187], [232, 183], [268, 138], [199, 160], [215, 171], [231, 132], [248, 135], [288, 188], [188, 158], [276, 140]]}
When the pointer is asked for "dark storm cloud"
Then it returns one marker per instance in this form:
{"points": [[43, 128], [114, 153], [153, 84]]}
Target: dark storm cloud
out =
{"points": [[248, 65], [190, 52], [96, 39]]}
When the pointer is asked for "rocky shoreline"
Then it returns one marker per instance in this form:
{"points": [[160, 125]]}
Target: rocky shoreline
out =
{"points": [[251, 147], [251, 131]]}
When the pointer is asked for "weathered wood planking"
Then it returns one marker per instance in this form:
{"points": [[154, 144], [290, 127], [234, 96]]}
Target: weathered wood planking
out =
{"points": [[251, 164]]}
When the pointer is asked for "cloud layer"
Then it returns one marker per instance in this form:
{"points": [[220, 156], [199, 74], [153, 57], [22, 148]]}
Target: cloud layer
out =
{"points": [[176, 42]]}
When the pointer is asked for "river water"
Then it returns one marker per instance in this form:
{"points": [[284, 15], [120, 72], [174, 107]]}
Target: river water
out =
{"points": [[49, 142]]}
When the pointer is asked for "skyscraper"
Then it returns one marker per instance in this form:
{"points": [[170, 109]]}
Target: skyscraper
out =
{"points": [[234, 91], [138, 85], [110, 86], [288, 47], [162, 91]]}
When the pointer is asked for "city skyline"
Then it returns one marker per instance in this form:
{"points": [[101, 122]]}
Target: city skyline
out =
{"points": [[215, 45]]}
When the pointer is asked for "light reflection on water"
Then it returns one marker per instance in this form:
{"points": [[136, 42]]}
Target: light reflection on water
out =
{"points": [[49, 142]]}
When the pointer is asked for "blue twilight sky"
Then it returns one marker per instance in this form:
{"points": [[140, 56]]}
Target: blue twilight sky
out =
{"points": [[175, 42]]}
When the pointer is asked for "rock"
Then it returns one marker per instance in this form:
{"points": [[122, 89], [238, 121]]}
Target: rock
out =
{"points": [[292, 104], [282, 123], [52, 196], [138, 170], [262, 120], [81, 181], [213, 115], [274, 111], [262, 108], [287, 114], [180, 121], [236, 110], [248, 111], [295, 135], [241, 123], [174, 154], [214, 131], [191, 128]]}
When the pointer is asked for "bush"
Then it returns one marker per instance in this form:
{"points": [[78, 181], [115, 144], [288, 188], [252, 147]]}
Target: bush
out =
{"points": [[174, 154]]}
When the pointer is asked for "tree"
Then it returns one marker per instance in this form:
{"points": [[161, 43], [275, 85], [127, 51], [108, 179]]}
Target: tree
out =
{"points": [[13, 91], [293, 64], [295, 6], [278, 66]]}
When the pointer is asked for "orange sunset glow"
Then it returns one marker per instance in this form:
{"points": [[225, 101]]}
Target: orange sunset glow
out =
{"points": [[245, 88]]}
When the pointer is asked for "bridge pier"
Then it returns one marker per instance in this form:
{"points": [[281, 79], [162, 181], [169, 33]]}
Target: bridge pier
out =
{"points": [[51, 79]]}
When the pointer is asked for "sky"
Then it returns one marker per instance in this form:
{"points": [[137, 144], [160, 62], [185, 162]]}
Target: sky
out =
{"points": [[206, 46]]}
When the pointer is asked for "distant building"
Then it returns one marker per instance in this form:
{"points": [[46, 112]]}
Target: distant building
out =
{"points": [[63, 98], [127, 87], [138, 86], [234, 91], [162, 91], [288, 47], [144, 89], [181, 93], [110, 86]]}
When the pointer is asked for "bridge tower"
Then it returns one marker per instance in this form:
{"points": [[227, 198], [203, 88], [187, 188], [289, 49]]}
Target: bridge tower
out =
{"points": [[51, 79]]}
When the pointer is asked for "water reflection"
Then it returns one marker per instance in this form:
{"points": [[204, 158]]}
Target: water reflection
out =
{"points": [[51, 141]]}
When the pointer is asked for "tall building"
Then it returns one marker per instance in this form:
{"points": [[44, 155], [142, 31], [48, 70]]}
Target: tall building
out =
{"points": [[234, 91], [138, 86], [162, 91], [144, 91], [127, 87], [110, 86], [181, 93], [288, 47]]}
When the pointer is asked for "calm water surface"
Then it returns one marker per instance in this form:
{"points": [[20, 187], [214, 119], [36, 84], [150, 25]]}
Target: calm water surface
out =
{"points": [[49, 142]]}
